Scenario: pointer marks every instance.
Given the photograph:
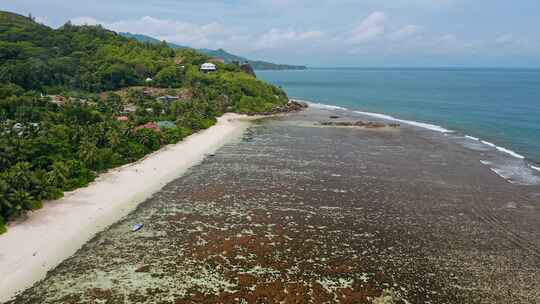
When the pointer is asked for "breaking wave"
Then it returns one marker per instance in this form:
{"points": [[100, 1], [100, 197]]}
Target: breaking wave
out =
{"points": [[515, 169], [498, 148]]}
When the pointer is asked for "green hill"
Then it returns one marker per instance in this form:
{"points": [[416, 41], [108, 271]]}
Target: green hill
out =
{"points": [[148, 39], [76, 101], [220, 53]]}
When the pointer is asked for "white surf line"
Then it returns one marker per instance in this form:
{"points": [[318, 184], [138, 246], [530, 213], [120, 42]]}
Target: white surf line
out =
{"points": [[499, 148], [417, 124], [502, 149], [408, 122], [321, 105], [382, 116], [472, 137]]}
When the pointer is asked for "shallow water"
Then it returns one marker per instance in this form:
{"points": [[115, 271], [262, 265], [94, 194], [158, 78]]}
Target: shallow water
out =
{"points": [[302, 213], [501, 106]]}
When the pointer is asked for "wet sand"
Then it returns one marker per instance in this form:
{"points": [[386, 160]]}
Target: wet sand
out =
{"points": [[299, 213]]}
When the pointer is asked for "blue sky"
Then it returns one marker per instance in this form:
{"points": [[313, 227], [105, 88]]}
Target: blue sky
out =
{"points": [[495, 33]]}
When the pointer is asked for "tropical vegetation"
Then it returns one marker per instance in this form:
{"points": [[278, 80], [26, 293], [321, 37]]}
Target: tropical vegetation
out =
{"points": [[78, 100]]}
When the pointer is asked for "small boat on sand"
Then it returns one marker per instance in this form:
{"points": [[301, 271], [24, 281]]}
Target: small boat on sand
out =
{"points": [[136, 227]]}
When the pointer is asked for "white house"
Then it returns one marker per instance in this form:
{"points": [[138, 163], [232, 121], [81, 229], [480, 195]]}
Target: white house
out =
{"points": [[208, 67]]}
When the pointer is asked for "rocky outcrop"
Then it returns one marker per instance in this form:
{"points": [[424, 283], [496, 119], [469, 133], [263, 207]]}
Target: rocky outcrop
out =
{"points": [[360, 123], [248, 69], [291, 106]]}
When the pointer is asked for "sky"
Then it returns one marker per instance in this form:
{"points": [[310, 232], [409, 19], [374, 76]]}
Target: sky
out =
{"points": [[323, 33]]}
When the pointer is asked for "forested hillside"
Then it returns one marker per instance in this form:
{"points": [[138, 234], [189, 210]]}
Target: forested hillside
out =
{"points": [[220, 53], [79, 100]]}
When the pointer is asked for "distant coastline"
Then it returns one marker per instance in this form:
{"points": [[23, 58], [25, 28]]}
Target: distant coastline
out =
{"points": [[221, 54]]}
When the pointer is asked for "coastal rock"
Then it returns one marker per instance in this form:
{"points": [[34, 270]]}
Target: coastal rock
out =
{"points": [[248, 69], [291, 106], [360, 123], [145, 268]]}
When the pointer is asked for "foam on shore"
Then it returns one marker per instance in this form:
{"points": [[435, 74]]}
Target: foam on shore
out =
{"points": [[417, 124], [514, 169], [498, 148], [472, 137], [46, 237], [322, 105]]}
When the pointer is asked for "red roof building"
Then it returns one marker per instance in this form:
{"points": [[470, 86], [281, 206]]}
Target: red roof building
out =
{"points": [[150, 125]]}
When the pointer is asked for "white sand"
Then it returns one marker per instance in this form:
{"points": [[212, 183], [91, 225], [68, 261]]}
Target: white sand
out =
{"points": [[37, 244]]}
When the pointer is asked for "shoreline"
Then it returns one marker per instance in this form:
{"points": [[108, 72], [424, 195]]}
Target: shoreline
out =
{"points": [[299, 212], [55, 232], [527, 169]]}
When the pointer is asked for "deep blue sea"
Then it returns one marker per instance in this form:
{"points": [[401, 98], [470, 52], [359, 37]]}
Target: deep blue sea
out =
{"points": [[499, 106]]}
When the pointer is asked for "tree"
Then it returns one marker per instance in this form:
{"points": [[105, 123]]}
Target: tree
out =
{"points": [[168, 77], [47, 148], [88, 152]]}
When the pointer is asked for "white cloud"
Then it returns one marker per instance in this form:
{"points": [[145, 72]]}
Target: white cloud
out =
{"points": [[372, 27], [278, 38], [404, 33], [191, 34], [210, 35], [375, 34]]}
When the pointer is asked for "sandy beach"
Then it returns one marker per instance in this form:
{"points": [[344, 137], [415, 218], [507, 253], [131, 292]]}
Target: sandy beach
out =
{"points": [[43, 239]]}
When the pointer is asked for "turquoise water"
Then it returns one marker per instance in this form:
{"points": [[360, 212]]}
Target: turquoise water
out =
{"points": [[501, 106]]}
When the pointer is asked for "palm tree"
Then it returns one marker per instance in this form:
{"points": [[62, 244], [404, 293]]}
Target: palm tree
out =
{"points": [[88, 153], [23, 201], [5, 204], [58, 174], [113, 138]]}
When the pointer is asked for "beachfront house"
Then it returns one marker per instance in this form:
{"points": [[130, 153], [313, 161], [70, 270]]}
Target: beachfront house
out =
{"points": [[128, 108], [150, 126], [208, 67]]}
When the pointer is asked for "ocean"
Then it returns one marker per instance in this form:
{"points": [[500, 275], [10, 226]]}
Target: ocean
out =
{"points": [[497, 108]]}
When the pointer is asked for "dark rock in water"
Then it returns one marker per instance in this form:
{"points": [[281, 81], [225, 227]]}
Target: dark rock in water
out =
{"points": [[334, 117], [296, 106], [360, 123], [145, 268], [375, 125]]}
